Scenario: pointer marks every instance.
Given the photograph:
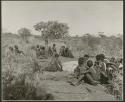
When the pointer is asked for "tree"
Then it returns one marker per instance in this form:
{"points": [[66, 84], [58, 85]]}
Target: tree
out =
{"points": [[52, 29], [24, 33]]}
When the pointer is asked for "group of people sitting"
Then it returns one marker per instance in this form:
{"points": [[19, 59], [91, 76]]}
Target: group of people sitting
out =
{"points": [[15, 50], [65, 52], [102, 71], [44, 52]]}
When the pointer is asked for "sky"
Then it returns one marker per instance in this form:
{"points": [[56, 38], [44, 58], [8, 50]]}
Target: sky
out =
{"points": [[81, 16]]}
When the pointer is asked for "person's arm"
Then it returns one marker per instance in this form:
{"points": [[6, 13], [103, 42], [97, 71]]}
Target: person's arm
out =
{"points": [[103, 69]]}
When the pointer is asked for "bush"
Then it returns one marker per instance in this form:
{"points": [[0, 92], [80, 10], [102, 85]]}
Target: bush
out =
{"points": [[18, 89]]}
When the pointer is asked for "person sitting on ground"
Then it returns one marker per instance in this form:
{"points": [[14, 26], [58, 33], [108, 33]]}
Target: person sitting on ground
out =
{"points": [[91, 74], [112, 60], [103, 73], [77, 69], [121, 63], [88, 75], [82, 61], [11, 49], [66, 52], [17, 51], [86, 58], [62, 51], [70, 53], [55, 64], [10, 52], [110, 71], [37, 51], [10, 55], [42, 52]]}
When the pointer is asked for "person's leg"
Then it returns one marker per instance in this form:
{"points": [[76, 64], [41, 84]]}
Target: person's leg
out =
{"points": [[78, 81], [88, 78]]}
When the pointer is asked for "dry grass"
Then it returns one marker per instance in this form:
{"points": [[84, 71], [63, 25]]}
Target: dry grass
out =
{"points": [[17, 68]]}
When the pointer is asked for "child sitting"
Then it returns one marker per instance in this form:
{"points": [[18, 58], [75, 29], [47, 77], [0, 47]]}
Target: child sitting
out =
{"points": [[88, 74], [77, 69]]}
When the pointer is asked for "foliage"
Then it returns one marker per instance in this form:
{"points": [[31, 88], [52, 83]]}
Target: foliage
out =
{"points": [[52, 29], [24, 33], [92, 45], [19, 80]]}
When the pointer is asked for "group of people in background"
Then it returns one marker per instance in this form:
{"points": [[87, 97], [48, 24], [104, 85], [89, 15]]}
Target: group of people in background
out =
{"points": [[15, 50], [44, 52], [66, 52]]}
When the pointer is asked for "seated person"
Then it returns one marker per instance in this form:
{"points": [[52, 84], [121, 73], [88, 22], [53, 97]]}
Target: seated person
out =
{"points": [[113, 60], [91, 74], [121, 66], [109, 71], [70, 54], [55, 64], [37, 49], [42, 52], [77, 69], [88, 75], [62, 51], [66, 52], [17, 51], [103, 73]]}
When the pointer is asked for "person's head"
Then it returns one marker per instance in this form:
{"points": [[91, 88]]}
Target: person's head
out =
{"points": [[37, 46], [108, 65], [86, 57], [11, 48], [16, 47], [102, 57], [54, 45], [42, 47], [121, 60], [97, 57], [80, 60], [89, 63], [112, 59]]}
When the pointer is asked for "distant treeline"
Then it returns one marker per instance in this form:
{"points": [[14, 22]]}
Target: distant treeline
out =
{"points": [[89, 44], [109, 45]]}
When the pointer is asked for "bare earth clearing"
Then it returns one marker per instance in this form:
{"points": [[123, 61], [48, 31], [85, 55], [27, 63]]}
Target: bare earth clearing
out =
{"points": [[56, 84]]}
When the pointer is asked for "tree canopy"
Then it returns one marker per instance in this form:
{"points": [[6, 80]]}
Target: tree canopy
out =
{"points": [[24, 33], [52, 29]]}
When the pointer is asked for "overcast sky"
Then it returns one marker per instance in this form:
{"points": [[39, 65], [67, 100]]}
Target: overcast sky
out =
{"points": [[81, 16]]}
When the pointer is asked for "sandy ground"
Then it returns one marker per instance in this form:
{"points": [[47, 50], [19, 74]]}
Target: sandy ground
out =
{"points": [[57, 84]]}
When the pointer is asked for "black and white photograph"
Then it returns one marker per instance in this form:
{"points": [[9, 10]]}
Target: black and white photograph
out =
{"points": [[62, 50]]}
